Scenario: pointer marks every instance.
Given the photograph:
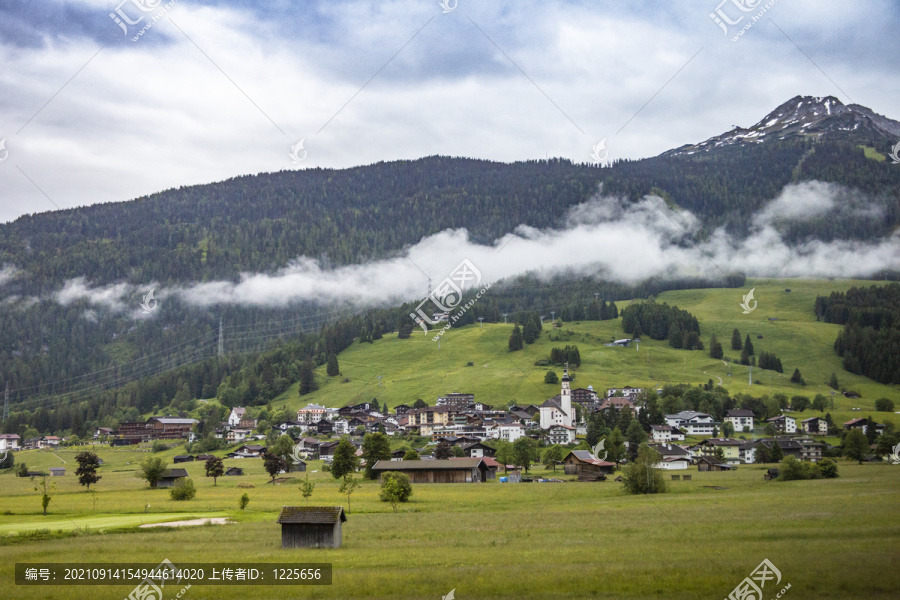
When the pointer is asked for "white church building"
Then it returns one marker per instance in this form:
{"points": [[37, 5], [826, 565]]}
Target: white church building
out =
{"points": [[558, 409]]}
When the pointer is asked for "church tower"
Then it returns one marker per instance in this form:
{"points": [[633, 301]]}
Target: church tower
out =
{"points": [[565, 398]]}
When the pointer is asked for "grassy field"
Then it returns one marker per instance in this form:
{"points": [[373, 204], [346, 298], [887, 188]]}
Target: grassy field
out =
{"points": [[400, 371], [829, 538]]}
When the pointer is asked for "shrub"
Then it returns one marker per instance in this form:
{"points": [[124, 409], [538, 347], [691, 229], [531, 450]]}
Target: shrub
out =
{"points": [[395, 488], [792, 469], [158, 446], [829, 468], [22, 470], [551, 377], [640, 477], [884, 405], [183, 489], [244, 501]]}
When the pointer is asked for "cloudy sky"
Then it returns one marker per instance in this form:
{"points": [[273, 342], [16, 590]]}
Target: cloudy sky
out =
{"points": [[104, 100]]}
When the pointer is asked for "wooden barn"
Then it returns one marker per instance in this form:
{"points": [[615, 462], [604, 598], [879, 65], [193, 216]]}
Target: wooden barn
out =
{"points": [[295, 466], [711, 463], [234, 471], [170, 476], [183, 458], [57, 471], [588, 468], [311, 526], [463, 470]]}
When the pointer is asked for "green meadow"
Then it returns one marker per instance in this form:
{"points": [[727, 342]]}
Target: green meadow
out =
{"points": [[829, 538], [400, 371]]}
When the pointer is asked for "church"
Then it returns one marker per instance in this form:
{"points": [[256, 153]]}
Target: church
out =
{"points": [[558, 409]]}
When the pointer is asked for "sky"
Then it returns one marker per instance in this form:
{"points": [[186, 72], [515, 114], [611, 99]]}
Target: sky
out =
{"points": [[106, 101]]}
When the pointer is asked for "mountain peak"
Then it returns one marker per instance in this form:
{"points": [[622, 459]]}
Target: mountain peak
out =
{"points": [[803, 116]]}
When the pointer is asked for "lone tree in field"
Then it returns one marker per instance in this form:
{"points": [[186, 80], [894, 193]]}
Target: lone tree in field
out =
{"points": [[552, 455], [640, 475], [715, 348], [273, 464], [515, 339], [87, 468], [736, 340], [348, 486], [856, 445], [833, 382], [244, 501], [395, 488], [46, 489], [306, 488], [551, 377], [345, 460], [215, 468], [797, 378], [152, 469], [525, 450], [748, 346]]}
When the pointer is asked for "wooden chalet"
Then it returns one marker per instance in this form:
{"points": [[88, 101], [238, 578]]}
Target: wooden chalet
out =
{"points": [[588, 468], [464, 470], [311, 526], [711, 463]]}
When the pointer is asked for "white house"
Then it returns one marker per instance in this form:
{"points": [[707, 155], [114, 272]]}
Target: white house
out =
{"points": [[741, 418], [666, 433], [311, 413], [236, 416], [9, 441], [561, 434], [626, 392], [236, 435], [783, 423], [747, 452], [673, 464], [341, 427], [673, 457], [510, 432], [815, 426], [692, 422]]}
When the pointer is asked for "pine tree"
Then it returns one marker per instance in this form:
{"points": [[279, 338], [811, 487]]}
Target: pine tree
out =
{"points": [[797, 378], [833, 382], [715, 348], [776, 454], [736, 340], [333, 369], [515, 339], [748, 346]]}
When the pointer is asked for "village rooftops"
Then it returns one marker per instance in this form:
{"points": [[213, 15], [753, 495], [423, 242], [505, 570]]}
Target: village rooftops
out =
{"points": [[739, 412], [311, 514]]}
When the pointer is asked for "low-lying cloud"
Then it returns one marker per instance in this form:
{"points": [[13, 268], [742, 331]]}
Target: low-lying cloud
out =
{"points": [[608, 237]]}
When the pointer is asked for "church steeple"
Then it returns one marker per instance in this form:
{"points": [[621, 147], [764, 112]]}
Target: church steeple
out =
{"points": [[565, 396]]}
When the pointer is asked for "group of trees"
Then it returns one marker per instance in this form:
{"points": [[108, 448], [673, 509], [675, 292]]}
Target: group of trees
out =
{"points": [[568, 354], [661, 321], [871, 334]]}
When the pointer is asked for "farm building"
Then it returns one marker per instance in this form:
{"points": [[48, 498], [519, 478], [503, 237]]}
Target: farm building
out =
{"points": [[711, 463], [170, 476], [234, 471], [588, 468], [463, 470], [296, 466], [311, 526], [57, 471], [183, 458]]}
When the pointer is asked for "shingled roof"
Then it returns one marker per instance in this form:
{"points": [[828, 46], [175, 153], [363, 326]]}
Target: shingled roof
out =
{"points": [[427, 465], [311, 514], [169, 473]]}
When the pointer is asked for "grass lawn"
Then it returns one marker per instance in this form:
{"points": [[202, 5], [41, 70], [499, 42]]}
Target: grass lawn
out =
{"points": [[829, 538]]}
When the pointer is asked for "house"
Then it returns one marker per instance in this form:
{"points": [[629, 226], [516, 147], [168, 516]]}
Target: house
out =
{"points": [[426, 419], [327, 449], [673, 463], [203, 457], [731, 449], [311, 413], [234, 471], [102, 432], [398, 454], [492, 465], [815, 426], [324, 427], [666, 433], [561, 434], [627, 392], [296, 466], [741, 418], [861, 424], [235, 436], [48, 441], [9, 441], [558, 410], [457, 401], [182, 458], [466, 470], [692, 422], [311, 526], [477, 450], [783, 423], [747, 452], [711, 463], [236, 416], [588, 468], [671, 451], [57, 471], [617, 403], [170, 476], [811, 450], [340, 426], [251, 449], [788, 446], [402, 409], [510, 432]]}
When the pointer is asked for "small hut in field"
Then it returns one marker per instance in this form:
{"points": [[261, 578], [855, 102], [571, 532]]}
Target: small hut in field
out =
{"points": [[311, 526]]}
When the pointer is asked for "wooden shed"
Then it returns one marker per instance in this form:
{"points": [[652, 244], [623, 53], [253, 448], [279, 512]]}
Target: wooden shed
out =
{"points": [[170, 476], [57, 471], [588, 468], [183, 458], [463, 470], [711, 463], [311, 526], [295, 466]]}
